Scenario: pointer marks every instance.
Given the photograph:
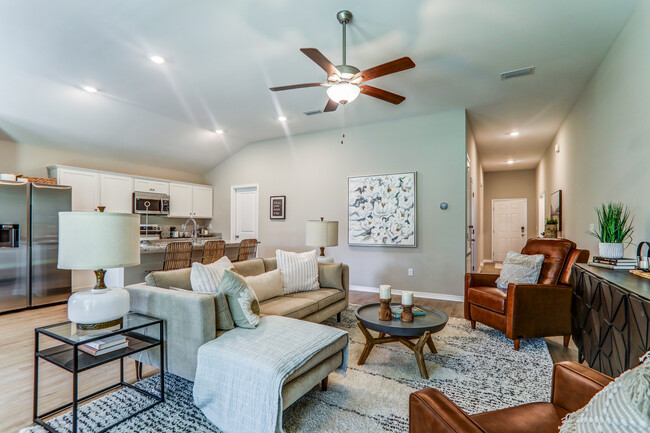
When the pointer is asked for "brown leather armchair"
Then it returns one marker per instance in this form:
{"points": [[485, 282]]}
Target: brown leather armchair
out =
{"points": [[528, 310], [573, 386]]}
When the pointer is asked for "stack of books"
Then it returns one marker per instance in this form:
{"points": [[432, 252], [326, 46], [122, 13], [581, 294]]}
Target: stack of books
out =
{"points": [[603, 262], [397, 311], [105, 345]]}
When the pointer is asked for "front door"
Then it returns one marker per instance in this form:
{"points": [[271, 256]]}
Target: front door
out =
{"points": [[508, 227], [244, 212]]}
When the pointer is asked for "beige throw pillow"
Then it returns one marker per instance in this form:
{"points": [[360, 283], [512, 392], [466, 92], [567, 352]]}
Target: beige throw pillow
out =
{"points": [[330, 275], [267, 285], [299, 270]]}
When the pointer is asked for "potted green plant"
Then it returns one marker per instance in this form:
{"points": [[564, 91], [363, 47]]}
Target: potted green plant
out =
{"points": [[614, 228], [551, 228]]}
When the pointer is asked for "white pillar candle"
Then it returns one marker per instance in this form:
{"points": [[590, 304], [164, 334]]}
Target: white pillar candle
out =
{"points": [[407, 298], [384, 291]]}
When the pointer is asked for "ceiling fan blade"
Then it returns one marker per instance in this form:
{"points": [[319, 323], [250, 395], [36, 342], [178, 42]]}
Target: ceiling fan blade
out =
{"points": [[320, 60], [331, 106], [297, 86], [386, 69], [384, 95]]}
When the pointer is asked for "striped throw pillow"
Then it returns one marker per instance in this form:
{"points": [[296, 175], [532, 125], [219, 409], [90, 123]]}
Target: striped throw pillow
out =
{"points": [[299, 271]]}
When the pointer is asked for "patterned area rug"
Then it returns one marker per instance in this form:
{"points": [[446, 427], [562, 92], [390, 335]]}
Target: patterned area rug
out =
{"points": [[477, 369]]}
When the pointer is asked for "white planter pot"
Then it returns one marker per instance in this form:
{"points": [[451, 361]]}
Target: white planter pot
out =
{"points": [[611, 251]]}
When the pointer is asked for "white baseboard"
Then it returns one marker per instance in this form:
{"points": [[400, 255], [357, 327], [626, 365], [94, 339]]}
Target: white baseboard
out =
{"points": [[486, 261], [427, 295]]}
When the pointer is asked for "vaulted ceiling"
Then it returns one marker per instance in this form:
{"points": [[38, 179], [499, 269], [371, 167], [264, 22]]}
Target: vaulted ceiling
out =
{"points": [[223, 57]]}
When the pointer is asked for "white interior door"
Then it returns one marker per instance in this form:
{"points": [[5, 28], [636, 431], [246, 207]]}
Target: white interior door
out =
{"points": [[508, 227], [244, 215]]}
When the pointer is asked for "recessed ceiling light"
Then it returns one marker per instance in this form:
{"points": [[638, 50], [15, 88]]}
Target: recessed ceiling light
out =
{"points": [[219, 131], [157, 59], [514, 134], [510, 161], [282, 118], [90, 89]]}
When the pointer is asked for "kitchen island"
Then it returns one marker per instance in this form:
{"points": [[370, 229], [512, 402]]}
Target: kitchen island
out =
{"points": [[152, 253]]}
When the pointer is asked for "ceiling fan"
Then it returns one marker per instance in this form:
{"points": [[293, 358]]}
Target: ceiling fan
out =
{"points": [[344, 81]]}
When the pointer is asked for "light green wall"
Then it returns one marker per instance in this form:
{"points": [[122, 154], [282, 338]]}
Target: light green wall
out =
{"points": [[29, 160], [605, 140], [312, 171]]}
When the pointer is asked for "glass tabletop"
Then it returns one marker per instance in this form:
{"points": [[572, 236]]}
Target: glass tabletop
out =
{"points": [[68, 332]]}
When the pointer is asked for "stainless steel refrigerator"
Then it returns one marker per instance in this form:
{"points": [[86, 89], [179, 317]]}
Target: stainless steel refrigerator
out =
{"points": [[29, 243]]}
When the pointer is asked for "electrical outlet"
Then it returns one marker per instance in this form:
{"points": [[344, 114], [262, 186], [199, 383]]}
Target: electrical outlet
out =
{"points": [[410, 272]]}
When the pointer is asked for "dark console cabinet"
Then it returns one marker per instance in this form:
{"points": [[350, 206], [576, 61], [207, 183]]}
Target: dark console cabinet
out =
{"points": [[609, 318]]}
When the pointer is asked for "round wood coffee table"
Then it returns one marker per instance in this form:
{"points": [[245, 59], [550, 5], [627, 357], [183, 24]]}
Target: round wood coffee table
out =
{"points": [[421, 328]]}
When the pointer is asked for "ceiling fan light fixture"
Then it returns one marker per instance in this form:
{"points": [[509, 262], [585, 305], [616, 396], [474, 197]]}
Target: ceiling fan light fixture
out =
{"points": [[343, 92]]}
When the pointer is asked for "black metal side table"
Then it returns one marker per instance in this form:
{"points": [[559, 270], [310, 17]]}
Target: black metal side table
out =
{"points": [[69, 357]]}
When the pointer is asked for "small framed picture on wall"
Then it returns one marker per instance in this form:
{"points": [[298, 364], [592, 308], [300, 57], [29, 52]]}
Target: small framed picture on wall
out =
{"points": [[278, 207]]}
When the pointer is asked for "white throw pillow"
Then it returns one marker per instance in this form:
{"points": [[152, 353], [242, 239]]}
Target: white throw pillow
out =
{"points": [[267, 285], [299, 270], [206, 278], [520, 269], [623, 406]]}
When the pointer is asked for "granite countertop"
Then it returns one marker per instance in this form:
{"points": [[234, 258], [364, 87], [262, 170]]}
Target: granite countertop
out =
{"points": [[158, 246]]}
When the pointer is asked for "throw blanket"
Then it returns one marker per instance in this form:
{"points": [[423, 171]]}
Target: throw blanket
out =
{"points": [[240, 375]]}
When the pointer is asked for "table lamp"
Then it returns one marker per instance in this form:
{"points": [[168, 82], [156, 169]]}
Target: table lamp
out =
{"points": [[98, 241], [322, 234]]}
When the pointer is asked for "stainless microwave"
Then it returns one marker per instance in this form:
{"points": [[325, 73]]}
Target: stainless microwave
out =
{"points": [[149, 203]]}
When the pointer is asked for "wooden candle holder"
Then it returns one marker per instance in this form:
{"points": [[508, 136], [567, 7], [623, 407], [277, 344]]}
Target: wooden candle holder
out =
{"points": [[384, 310], [407, 313]]}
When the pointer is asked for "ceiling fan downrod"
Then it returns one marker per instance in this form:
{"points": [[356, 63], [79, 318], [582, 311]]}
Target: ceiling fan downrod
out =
{"points": [[344, 18]]}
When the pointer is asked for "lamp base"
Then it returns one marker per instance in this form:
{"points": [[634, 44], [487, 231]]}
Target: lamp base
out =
{"points": [[325, 259], [98, 308]]}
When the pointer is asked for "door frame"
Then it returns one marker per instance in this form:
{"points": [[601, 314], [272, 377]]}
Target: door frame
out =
{"points": [[525, 200], [541, 214], [233, 211]]}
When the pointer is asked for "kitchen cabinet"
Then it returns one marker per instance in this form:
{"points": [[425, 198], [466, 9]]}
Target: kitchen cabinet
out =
{"points": [[201, 201], [155, 186], [116, 193], [190, 201], [85, 188]]}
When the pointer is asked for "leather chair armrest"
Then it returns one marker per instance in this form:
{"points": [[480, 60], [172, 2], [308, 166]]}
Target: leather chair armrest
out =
{"points": [[431, 412], [575, 384], [536, 310], [477, 280]]}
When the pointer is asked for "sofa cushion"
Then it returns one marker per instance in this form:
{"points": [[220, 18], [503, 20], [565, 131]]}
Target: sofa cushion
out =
{"points": [[178, 278], [319, 357], [330, 275], [244, 306], [206, 278], [491, 298], [323, 297], [270, 264], [532, 417], [288, 306], [267, 285], [555, 253], [250, 267], [299, 270]]}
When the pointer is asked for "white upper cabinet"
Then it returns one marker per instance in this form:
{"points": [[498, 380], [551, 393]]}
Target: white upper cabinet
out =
{"points": [[155, 186], [85, 188], [180, 200], [202, 201], [187, 201], [116, 193]]}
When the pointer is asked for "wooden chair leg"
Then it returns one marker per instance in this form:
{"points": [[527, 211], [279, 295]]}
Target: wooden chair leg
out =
{"points": [[338, 317], [473, 322], [138, 370], [516, 341], [567, 339], [323, 384]]}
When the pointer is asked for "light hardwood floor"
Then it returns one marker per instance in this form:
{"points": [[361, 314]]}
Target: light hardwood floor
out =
{"points": [[17, 361]]}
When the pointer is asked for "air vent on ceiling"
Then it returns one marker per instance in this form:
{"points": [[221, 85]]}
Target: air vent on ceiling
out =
{"points": [[311, 112], [518, 73]]}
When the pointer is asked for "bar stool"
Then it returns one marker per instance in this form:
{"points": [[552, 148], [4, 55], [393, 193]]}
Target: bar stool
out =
{"points": [[178, 255], [213, 251], [247, 250]]}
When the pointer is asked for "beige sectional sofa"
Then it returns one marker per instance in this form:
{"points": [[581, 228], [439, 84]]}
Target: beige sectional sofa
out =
{"points": [[191, 320]]}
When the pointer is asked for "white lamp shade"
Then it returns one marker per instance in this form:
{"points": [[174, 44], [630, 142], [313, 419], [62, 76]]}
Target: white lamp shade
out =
{"points": [[97, 240], [322, 233], [343, 92]]}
